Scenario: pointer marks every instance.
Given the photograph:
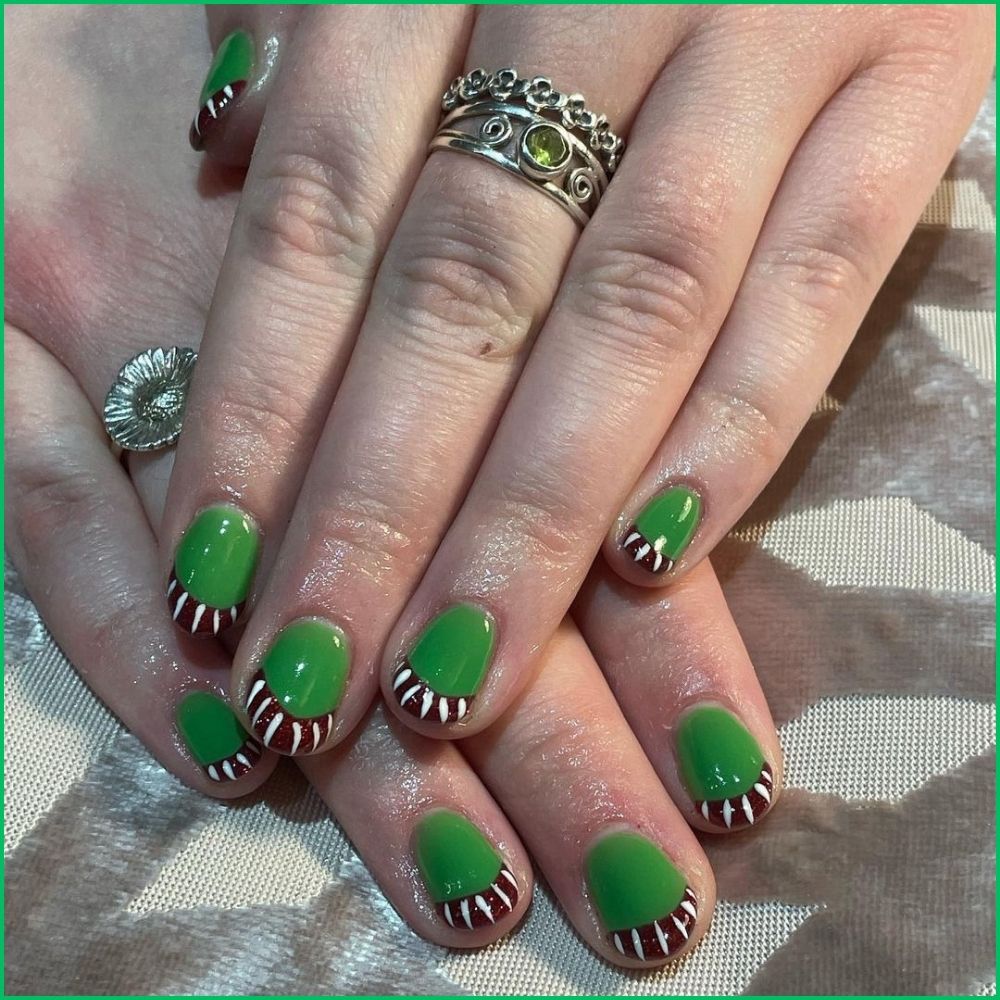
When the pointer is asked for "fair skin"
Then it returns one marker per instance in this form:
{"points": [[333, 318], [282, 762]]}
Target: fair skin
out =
{"points": [[105, 258], [517, 389], [93, 273]]}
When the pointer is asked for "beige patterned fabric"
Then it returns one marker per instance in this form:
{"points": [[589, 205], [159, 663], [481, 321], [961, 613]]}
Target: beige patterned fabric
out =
{"points": [[863, 581]]}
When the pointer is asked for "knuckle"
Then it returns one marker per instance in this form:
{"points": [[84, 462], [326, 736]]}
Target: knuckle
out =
{"points": [[361, 527], [259, 413], [537, 521], [651, 303], [459, 290], [822, 271], [45, 500], [752, 422], [303, 220]]}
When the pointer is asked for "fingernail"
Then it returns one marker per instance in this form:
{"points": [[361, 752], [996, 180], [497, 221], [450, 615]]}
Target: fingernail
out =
{"points": [[663, 529], [213, 570], [465, 876], [723, 768], [300, 682], [445, 667], [215, 737], [227, 79], [643, 901]]}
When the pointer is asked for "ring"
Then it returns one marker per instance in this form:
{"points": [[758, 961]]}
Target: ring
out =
{"points": [[549, 139], [144, 408]]}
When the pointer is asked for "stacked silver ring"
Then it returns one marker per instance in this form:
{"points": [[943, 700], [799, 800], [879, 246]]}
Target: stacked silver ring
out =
{"points": [[550, 139]]}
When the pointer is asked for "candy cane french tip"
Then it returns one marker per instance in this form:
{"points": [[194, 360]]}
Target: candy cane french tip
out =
{"points": [[439, 677], [663, 529], [300, 683], [723, 768], [227, 78], [215, 738], [213, 569], [467, 879], [643, 901]]}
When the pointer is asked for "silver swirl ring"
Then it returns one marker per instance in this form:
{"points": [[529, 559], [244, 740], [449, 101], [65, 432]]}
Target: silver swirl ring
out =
{"points": [[550, 139]]}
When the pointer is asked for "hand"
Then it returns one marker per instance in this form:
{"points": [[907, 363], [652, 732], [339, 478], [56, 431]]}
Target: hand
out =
{"points": [[777, 161], [565, 767]]}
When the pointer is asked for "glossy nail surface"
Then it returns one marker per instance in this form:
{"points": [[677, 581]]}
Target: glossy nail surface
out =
{"points": [[213, 569], [299, 685], [723, 767], [643, 901], [465, 876], [446, 666], [226, 80], [663, 529], [215, 737]]}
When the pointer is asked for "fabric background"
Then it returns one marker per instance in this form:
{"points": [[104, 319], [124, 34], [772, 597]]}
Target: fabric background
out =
{"points": [[863, 581]]}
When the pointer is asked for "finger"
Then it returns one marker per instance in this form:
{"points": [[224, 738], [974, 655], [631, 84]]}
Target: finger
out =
{"points": [[331, 170], [643, 296], [247, 45], [847, 202], [85, 551], [438, 845], [464, 283], [679, 670], [568, 772]]}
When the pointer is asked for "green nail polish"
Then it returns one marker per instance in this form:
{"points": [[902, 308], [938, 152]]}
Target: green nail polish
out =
{"points": [[454, 857], [233, 61], [643, 901], [663, 529], [215, 737], [217, 556], [723, 767], [306, 667], [453, 652], [464, 874]]}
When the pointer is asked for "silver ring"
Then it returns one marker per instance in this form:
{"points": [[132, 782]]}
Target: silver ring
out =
{"points": [[547, 138], [144, 408]]}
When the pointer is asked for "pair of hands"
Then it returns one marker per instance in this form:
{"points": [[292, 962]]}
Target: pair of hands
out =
{"points": [[111, 251]]}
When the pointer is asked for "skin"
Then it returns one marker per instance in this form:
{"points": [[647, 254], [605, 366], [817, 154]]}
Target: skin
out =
{"points": [[87, 261], [531, 386]]}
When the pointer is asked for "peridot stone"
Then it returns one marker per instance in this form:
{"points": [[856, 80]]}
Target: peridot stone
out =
{"points": [[546, 146]]}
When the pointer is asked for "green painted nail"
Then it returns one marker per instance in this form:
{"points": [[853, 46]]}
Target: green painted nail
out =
{"points": [[213, 570], [723, 767], [663, 529], [643, 901], [301, 681], [446, 665], [232, 62], [464, 874], [227, 79], [215, 737]]}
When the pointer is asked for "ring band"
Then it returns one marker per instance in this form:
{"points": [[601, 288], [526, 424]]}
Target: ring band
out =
{"points": [[144, 408], [547, 138]]}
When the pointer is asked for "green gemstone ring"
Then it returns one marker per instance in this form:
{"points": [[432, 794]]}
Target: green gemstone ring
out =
{"points": [[545, 137]]}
